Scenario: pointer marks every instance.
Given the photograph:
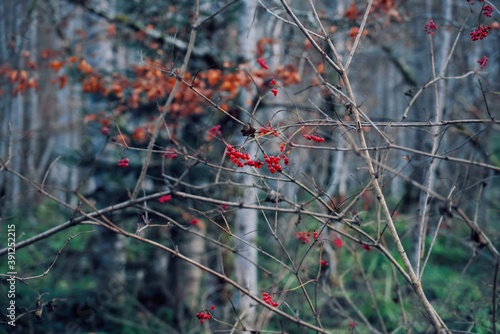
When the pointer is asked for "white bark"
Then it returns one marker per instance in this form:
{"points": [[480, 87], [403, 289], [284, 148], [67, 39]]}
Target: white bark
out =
{"points": [[246, 220]]}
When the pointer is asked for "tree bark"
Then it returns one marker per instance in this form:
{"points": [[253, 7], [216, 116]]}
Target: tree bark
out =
{"points": [[246, 220]]}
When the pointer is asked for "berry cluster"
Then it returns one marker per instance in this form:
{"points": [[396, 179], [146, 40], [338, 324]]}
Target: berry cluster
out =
{"points": [[323, 264], [487, 10], [123, 162], [203, 315], [286, 160], [304, 236], [274, 90], [268, 299], [479, 33], [243, 159], [315, 138], [170, 153], [254, 163], [338, 242], [236, 157], [267, 130], [430, 28], [483, 62], [262, 63], [215, 131], [273, 162]]}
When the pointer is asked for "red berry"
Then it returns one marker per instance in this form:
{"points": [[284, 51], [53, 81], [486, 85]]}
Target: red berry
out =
{"points": [[165, 198], [338, 242], [262, 63]]}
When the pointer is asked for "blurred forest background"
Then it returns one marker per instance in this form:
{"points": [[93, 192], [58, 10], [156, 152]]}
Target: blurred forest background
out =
{"points": [[83, 83]]}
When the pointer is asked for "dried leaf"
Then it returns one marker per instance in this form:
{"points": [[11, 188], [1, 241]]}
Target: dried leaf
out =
{"points": [[56, 65], [248, 130]]}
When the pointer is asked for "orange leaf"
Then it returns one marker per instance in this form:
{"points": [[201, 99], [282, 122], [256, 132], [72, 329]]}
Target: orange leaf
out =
{"points": [[213, 77], [226, 86], [105, 122], [134, 101], [56, 65], [295, 77], [117, 89], [122, 139], [13, 75], [89, 118], [24, 75], [321, 68], [84, 67], [140, 135], [21, 87], [151, 93], [32, 83], [31, 65], [92, 85], [352, 12], [112, 30], [45, 53], [72, 59], [354, 32]]}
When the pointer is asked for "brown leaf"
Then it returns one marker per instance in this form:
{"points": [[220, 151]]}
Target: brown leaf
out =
{"points": [[248, 130]]}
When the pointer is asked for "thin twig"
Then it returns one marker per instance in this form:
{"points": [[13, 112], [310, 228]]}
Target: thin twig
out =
{"points": [[176, 253], [359, 34], [310, 38], [54, 261], [166, 106]]}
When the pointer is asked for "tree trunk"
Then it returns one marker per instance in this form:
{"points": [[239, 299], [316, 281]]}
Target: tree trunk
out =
{"points": [[246, 220]]}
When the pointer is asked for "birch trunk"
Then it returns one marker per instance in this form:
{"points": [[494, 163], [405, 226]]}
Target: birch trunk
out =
{"points": [[246, 220]]}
